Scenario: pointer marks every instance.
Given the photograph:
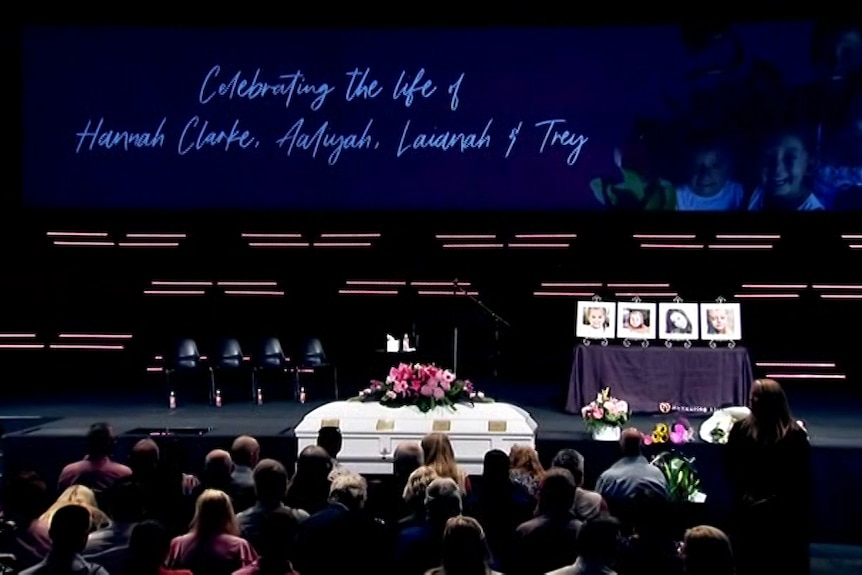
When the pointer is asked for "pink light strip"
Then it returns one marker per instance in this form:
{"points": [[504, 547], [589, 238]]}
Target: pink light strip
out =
{"points": [[838, 286], [149, 244], [254, 292], [570, 284], [672, 246], [174, 292], [278, 244], [158, 358], [472, 246], [95, 336], [248, 284], [545, 236], [466, 236], [17, 335], [22, 346], [664, 236], [851, 236], [180, 283], [545, 246], [76, 234], [448, 293], [766, 295], [774, 286], [740, 246], [806, 376], [856, 246], [439, 284], [792, 364], [563, 294], [667, 285], [342, 244], [647, 294], [271, 236], [841, 296], [368, 292], [748, 236], [86, 346], [350, 236], [84, 244], [155, 368], [156, 236], [375, 283]]}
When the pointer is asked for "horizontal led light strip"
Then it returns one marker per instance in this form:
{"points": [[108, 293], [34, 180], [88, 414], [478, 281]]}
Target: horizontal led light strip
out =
{"points": [[766, 296], [95, 336], [740, 246], [563, 294], [653, 246], [156, 236], [360, 235], [664, 236], [545, 236], [368, 292], [748, 236], [775, 286], [88, 346], [77, 234], [823, 365], [806, 376]]}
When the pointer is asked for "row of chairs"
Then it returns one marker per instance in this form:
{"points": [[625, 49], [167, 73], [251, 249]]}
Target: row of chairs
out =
{"points": [[229, 362]]}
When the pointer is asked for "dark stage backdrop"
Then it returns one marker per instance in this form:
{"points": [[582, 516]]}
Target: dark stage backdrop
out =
{"points": [[528, 119]]}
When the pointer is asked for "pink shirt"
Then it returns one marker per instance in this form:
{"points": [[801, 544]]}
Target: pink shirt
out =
{"points": [[97, 474], [221, 553]]}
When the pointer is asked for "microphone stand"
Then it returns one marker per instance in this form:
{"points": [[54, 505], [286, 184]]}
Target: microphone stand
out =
{"points": [[499, 323]]}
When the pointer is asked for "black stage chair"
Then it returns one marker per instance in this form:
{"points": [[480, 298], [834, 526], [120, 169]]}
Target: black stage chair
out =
{"points": [[183, 371], [313, 361], [271, 359], [229, 362]]}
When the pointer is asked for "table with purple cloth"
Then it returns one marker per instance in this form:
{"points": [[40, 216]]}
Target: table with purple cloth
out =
{"points": [[697, 379]]}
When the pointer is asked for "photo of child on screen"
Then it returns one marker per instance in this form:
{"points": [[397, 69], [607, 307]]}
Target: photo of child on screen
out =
{"points": [[678, 322], [709, 187], [786, 175], [720, 321], [596, 322], [636, 322]]}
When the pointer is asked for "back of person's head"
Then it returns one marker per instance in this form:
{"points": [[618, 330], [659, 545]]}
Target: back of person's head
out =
{"points": [[70, 527], [556, 492], [329, 438], [770, 417], [148, 548], [572, 461], [707, 551], [598, 539], [417, 486], [214, 514], [100, 440], [144, 458], [443, 500], [349, 489], [408, 457], [630, 442], [270, 481], [25, 497], [245, 451], [278, 530], [314, 463], [125, 502], [218, 466], [464, 548], [525, 458]]}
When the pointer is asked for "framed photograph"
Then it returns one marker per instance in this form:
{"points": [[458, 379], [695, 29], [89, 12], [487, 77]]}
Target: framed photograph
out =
{"points": [[595, 320], [678, 321], [636, 320], [720, 321]]}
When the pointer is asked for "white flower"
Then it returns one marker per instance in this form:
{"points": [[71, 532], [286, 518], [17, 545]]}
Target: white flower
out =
{"points": [[480, 395], [472, 394]]}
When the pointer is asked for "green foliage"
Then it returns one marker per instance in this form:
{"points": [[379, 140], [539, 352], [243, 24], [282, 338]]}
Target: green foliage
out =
{"points": [[682, 477]]}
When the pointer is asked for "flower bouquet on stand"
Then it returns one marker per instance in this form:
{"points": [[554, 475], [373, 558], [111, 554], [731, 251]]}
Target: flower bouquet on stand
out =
{"points": [[605, 416], [424, 386]]}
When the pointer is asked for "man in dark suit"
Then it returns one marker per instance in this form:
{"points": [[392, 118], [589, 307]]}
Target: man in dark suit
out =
{"points": [[245, 453]]}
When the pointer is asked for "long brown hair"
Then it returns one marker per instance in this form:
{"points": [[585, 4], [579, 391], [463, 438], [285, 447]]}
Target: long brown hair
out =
{"points": [[440, 457], [770, 419]]}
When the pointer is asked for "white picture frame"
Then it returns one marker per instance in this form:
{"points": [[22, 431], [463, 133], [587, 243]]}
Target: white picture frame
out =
{"points": [[588, 322], [720, 321], [678, 321], [636, 320]]}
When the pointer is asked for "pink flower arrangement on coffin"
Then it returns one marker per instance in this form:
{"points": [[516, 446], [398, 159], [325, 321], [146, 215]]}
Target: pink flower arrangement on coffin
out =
{"points": [[425, 386], [605, 410]]}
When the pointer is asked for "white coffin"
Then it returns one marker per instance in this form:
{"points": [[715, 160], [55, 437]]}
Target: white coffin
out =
{"points": [[371, 431]]}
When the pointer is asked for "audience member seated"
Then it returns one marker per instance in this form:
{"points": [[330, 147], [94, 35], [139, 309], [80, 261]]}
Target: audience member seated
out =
{"points": [[652, 546], [270, 485], [597, 542], [83, 497], [278, 531], [548, 541], [414, 497], [385, 496], [464, 550], [330, 439], [419, 548], [342, 537], [25, 498], [148, 548], [707, 551], [309, 488], [630, 476], [96, 471], [245, 453], [212, 546], [525, 469], [588, 504], [440, 456], [108, 547], [70, 527], [218, 467], [500, 506]]}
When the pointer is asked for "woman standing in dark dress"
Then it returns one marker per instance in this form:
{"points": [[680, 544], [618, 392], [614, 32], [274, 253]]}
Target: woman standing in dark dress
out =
{"points": [[770, 468]]}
